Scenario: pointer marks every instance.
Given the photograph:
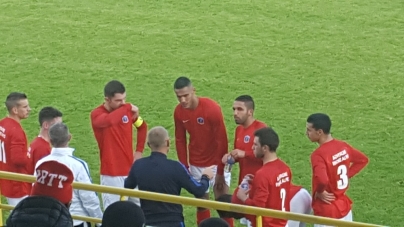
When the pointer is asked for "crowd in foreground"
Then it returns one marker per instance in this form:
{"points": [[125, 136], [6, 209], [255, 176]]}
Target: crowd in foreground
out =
{"points": [[204, 162]]}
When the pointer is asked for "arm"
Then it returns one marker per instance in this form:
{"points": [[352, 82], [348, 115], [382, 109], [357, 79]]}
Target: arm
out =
{"points": [[319, 172], [141, 127], [89, 199], [103, 120], [261, 193], [186, 181], [180, 139], [358, 160], [130, 181], [221, 136], [18, 149]]}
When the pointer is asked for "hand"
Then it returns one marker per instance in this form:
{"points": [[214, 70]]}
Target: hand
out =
{"points": [[242, 194], [250, 177], [135, 111], [237, 153], [325, 196], [225, 157], [209, 172], [137, 155]]}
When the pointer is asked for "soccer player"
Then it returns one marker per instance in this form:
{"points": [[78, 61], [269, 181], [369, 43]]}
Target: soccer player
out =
{"points": [[202, 118], [14, 155], [334, 162], [112, 124], [40, 146], [271, 183]]}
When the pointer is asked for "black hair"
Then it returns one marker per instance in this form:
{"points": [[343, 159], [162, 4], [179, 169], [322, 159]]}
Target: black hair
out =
{"points": [[213, 222], [268, 137], [13, 98], [182, 82], [113, 87], [226, 198], [320, 121], [248, 100], [48, 113]]}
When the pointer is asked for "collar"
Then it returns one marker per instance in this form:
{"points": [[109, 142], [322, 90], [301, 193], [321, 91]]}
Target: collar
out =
{"points": [[156, 153], [62, 150]]}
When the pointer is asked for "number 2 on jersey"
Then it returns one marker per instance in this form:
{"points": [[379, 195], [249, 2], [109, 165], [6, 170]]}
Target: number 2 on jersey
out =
{"points": [[342, 172], [283, 197], [2, 152]]}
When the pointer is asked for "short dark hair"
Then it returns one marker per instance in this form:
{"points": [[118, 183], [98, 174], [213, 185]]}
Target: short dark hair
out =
{"points": [[268, 137], [213, 222], [182, 82], [320, 121], [226, 198], [13, 98], [48, 113], [113, 87], [248, 100]]}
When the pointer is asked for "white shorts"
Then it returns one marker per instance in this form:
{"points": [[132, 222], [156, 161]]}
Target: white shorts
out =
{"points": [[348, 217], [301, 204], [196, 173], [108, 199], [15, 201]]}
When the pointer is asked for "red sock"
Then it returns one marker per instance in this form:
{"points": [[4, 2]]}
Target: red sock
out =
{"points": [[229, 221], [202, 215]]}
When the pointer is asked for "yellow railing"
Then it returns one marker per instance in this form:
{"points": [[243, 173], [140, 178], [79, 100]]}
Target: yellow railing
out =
{"points": [[259, 212]]}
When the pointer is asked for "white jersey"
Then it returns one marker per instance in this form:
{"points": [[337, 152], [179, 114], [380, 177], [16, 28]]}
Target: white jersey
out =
{"points": [[84, 203]]}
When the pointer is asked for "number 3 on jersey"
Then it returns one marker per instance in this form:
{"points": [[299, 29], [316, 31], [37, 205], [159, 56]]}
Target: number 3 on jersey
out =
{"points": [[2, 152], [342, 172], [283, 197]]}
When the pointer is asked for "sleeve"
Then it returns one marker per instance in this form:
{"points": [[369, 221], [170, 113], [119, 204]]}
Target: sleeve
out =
{"points": [[198, 189], [358, 160], [89, 199], [180, 139], [221, 136], [261, 192], [18, 149], [141, 127], [103, 120], [130, 181], [319, 173]]}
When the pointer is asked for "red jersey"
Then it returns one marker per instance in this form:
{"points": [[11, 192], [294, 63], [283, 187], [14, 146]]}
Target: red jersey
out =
{"points": [[244, 140], [270, 189], [114, 134], [14, 157], [39, 148], [207, 134], [333, 163]]}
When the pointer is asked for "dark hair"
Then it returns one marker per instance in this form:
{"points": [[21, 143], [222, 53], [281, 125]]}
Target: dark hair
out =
{"points": [[48, 113], [268, 137], [182, 82], [248, 100], [13, 98], [214, 222], [113, 87], [123, 214], [226, 198], [320, 121]]}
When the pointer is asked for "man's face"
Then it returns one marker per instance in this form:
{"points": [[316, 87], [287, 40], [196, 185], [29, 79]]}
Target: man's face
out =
{"points": [[257, 148], [117, 101], [22, 109], [240, 112], [312, 133], [185, 96]]}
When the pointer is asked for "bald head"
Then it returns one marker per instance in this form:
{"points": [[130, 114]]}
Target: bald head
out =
{"points": [[59, 135], [157, 138]]}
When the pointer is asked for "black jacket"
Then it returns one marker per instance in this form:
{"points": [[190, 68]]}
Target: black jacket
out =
{"points": [[40, 211], [158, 174]]}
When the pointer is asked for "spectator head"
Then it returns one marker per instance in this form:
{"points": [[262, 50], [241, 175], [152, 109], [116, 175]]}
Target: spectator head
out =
{"points": [[158, 139], [17, 105], [48, 116], [40, 211], [214, 222], [123, 214], [59, 135], [54, 179]]}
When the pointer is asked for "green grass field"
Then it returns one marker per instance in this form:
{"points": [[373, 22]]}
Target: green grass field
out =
{"points": [[343, 57]]}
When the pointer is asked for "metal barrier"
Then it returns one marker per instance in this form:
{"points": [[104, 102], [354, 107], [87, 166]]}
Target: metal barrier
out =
{"points": [[259, 212]]}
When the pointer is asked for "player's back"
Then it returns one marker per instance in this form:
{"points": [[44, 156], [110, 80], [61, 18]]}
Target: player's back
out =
{"points": [[336, 155], [277, 175], [39, 148]]}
